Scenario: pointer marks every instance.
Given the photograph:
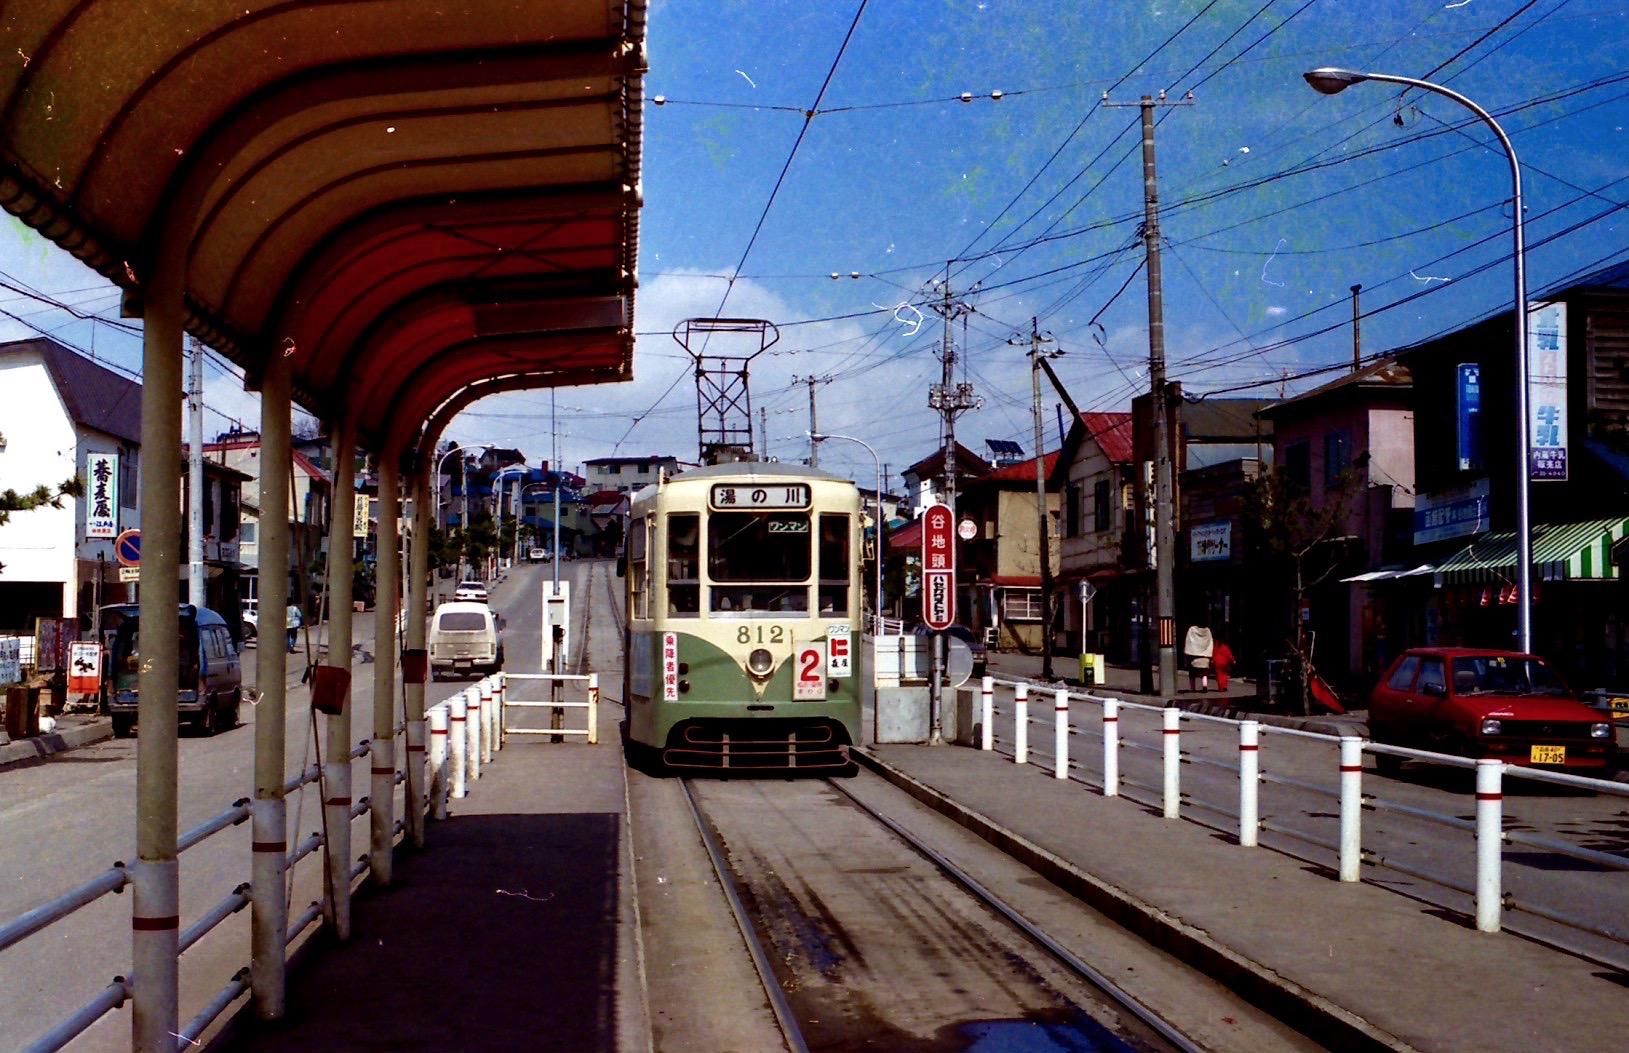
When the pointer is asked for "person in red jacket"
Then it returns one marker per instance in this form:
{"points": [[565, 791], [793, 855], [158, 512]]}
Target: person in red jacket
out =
{"points": [[1221, 657]]}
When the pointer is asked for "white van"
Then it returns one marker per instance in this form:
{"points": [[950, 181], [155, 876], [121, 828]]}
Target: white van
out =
{"points": [[464, 639]]}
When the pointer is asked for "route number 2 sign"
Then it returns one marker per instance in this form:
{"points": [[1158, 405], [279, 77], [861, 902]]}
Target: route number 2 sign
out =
{"points": [[809, 673]]}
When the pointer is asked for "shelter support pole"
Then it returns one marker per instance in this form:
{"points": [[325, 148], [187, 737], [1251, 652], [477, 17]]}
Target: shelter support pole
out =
{"points": [[416, 610], [269, 812], [155, 911], [382, 753], [337, 761]]}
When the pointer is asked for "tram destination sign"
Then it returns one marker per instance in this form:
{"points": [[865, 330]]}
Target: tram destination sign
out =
{"points": [[727, 496], [938, 567]]}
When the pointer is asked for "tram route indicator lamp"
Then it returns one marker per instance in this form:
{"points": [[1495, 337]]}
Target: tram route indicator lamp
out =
{"points": [[760, 662]]}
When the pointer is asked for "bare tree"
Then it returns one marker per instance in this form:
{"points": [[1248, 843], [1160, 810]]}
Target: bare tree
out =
{"points": [[1302, 536]]}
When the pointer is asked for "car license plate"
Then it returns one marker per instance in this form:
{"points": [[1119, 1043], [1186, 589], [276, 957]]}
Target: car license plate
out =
{"points": [[1547, 755]]}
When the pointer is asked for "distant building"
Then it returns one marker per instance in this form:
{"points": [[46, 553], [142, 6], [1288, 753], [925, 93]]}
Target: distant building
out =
{"points": [[1095, 479], [312, 494], [57, 410], [925, 480], [1361, 423], [629, 475]]}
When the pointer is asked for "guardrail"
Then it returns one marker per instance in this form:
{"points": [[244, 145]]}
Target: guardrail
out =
{"points": [[449, 770], [555, 704], [1487, 827]]}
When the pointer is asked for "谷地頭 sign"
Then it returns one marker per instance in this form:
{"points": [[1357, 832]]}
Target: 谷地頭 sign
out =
{"points": [[938, 567], [101, 495]]}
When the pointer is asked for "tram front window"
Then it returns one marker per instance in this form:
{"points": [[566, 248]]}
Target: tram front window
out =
{"points": [[683, 570], [758, 562]]}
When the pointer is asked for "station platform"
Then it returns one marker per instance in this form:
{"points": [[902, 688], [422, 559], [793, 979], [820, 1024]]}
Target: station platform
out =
{"points": [[1352, 965], [514, 930]]}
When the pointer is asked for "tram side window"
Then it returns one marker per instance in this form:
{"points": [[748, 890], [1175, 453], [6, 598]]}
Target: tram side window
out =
{"points": [[684, 564], [834, 564], [638, 569]]}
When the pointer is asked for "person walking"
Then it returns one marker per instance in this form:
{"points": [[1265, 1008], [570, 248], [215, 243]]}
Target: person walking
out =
{"points": [[1198, 646], [294, 619], [1221, 657]]}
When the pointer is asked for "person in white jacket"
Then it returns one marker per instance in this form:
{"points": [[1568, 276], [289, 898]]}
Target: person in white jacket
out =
{"points": [[1198, 646]]}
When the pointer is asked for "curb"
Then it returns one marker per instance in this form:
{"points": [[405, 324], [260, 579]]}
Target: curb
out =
{"points": [[1306, 1011], [56, 742]]}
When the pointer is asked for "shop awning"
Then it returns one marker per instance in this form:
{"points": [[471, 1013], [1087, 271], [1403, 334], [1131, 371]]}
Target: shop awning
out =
{"points": [[906, 539], [1561, 552], [1390, 573]]}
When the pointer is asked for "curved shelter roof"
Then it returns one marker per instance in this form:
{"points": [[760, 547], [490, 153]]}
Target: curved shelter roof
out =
{"points": [[401, 198]]}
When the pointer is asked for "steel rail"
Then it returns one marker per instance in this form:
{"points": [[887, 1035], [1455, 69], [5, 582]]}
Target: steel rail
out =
{"points": [[760, 960], [187, 1039], [234, 901], [112, 997], [303, 849], [303, 922], [232, 816], [1077, 965], [24, 925]]}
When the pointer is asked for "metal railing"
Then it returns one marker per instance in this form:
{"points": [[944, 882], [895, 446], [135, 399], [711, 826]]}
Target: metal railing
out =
{"points": [[449, 770], [1487, 827], [556, 704]]}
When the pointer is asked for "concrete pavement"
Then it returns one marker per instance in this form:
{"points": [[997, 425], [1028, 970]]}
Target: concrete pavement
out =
{"points": [[1352, 965]]}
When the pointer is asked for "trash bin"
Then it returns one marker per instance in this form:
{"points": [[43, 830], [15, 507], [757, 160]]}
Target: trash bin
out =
{"points": [[1092, 669]]}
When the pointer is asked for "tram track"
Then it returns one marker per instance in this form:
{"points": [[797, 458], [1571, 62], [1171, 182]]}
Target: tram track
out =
{"points": [[1135, 1026]]}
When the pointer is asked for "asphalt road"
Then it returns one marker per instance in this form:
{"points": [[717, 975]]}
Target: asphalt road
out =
{"points": [[67, 818]]}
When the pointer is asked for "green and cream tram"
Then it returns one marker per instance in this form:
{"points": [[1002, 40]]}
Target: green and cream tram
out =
{"points": [[744, 594]]}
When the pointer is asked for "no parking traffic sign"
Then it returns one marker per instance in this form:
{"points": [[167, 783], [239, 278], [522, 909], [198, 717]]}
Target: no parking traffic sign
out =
{"points": [[127, 548]]}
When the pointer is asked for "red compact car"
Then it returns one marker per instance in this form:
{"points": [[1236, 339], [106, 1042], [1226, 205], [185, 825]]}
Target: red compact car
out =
{"points": [[1498, 704]]}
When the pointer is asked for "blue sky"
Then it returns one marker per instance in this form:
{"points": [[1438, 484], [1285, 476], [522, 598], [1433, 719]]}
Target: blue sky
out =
{"points": [[1276, 200]]}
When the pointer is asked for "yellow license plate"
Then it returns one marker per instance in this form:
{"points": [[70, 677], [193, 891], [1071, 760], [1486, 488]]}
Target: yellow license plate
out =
{"points": [[1547, 755]]}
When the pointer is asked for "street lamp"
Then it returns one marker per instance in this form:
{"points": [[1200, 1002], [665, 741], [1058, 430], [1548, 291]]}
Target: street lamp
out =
{"points": [[817, 438], [1331, 81], [465, 474], [497, 499]]}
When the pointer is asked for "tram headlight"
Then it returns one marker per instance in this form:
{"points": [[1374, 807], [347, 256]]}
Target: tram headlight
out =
{"points": [[760, 662]]}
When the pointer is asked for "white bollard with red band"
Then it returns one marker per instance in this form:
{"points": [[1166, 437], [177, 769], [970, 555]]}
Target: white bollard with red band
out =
{"points": [[457, 749], [1111, 747], [489, 708], [1490, 837], [1060, 734], [987, 724], [1351, 807], [503, 700], [593, 708], [437, 718], [472, 734], [1020, 705], [1249, 782], [1172, 717]]}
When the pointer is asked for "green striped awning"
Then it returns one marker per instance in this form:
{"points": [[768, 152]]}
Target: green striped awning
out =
{"points": [[1561, 552]]}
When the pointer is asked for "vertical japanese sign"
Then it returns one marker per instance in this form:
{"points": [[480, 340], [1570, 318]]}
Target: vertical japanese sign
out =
{"points": [[102, 495], [670, 667], [1547, 389], [360, 515], [938, 567], [1467, 415]]}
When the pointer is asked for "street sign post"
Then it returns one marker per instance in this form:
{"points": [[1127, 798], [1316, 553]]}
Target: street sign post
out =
{"points": [[938, 568]]}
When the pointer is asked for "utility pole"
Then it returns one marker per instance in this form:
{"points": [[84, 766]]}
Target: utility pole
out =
{"points": [[195, 479], [814, 428], [1357, 331], [1164, 512], [763, 434], [1036, 358]]}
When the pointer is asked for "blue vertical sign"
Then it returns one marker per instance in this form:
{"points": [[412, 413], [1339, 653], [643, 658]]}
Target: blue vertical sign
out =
{"points": [[1468, 416]]}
